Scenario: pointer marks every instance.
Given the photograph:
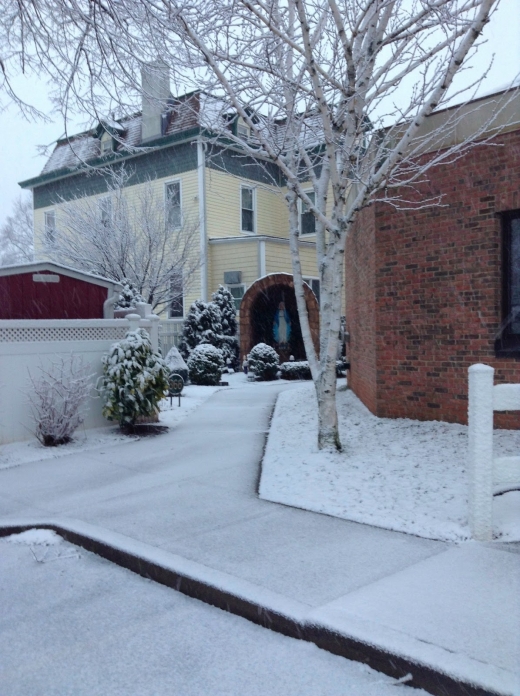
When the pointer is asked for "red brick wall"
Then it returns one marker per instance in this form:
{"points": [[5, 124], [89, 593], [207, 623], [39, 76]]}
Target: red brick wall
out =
{"points": [[438, 288], [360, 308]]}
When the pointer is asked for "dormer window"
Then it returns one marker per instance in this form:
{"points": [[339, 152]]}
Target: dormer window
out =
{"points": [[106, 145], [243, 131]]}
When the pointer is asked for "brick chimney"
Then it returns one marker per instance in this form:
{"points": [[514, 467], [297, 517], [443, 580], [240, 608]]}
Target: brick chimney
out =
{"points": [[155, 81]]}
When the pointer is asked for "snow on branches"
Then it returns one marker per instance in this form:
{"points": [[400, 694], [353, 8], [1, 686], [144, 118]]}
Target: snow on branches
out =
{"points": [[59, 399]]}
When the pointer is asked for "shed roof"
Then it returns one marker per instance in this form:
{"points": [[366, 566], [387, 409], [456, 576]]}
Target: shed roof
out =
{"points": [[58, 268]]}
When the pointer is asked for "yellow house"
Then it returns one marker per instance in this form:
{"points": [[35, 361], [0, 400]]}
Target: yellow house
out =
{"points": [[236, 200]]}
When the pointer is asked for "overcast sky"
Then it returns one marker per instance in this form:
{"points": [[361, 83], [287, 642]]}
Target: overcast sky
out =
{"points": [[21, 139]]}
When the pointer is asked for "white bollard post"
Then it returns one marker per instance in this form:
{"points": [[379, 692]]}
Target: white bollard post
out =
{"points": [[154, 330], [480, 454]]}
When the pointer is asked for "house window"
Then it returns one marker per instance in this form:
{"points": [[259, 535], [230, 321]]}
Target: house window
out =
{"points": [[243, 131], [237, 291], [508, 339], [248, 209], [314, 285], [307, 219], [105, 211], [173, 205], [50, 227], [106, 146], [176, 309]]}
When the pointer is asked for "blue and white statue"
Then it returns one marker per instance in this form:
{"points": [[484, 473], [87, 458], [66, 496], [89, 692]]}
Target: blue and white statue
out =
{"points": [[282, 326]]}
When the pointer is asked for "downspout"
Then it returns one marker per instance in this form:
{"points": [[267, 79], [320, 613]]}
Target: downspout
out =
{"points": [[201, 180]]}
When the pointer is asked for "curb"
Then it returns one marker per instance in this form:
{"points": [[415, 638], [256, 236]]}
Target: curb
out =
{"points": [[110, 545]]}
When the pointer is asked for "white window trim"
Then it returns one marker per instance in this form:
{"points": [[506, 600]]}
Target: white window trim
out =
{"points": [[237, 285], [300, 208], [47, 229], [101, 200], [107, 144], [166, 184], [255, 222]]}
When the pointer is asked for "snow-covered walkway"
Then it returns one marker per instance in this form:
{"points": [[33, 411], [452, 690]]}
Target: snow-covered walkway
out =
{"points": [[191, 494]]}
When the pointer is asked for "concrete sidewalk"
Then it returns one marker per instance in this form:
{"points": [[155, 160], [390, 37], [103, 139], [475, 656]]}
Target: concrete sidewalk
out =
{"points": [[187, 502]]}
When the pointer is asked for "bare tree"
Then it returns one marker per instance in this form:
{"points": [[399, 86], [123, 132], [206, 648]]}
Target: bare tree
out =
{"points": [[129, 238], [59, 399], [339, 94], [16, 234]]}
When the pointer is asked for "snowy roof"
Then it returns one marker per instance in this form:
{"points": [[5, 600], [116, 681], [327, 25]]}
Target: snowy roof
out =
{"points": [[182, 114], [37, 266]]}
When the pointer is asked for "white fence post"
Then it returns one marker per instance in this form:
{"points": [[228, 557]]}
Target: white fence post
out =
{"points": [[480, 427], [154, 330], [133, 320]]}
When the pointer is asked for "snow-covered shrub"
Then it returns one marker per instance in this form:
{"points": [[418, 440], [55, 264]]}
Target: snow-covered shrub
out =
{"points": [[205, 365], [135, 379], [175, 364], [298, 369], [228, 313], [225, 302], [59, 400], [129, 296], [263, 361], [202, 325]]}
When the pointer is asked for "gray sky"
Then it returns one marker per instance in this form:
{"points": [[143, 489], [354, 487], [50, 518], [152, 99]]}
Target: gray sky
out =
{"points": [[21, 139]]}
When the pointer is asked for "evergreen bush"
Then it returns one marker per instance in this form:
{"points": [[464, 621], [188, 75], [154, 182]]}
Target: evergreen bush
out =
{"points": [[134, 380], [205, 365], [202, 325], [263, 362], [129, 296], [225, 302]]}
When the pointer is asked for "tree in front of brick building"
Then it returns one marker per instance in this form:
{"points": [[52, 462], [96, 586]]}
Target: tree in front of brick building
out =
{"points": [[339, 95]]}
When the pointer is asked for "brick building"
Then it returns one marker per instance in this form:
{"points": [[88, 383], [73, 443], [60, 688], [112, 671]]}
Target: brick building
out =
{"points": [[431, 291]]}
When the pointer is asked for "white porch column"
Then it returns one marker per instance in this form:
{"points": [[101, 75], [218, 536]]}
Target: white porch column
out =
{"points": [[201, 180]]}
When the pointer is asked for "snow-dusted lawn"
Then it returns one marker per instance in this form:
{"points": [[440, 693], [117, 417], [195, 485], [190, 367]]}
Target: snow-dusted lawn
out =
{"points": [[17, 453], [73, 623], [400, 474]]}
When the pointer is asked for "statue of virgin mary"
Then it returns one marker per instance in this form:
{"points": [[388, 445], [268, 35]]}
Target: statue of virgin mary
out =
{"points": [[282, 326]]}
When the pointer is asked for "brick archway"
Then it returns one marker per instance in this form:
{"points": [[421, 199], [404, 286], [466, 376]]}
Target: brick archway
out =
{"points": [[266, 287]]}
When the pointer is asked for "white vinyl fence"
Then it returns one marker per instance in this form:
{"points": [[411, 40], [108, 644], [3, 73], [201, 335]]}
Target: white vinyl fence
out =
{"points": [[488, 475], [28, 345]]}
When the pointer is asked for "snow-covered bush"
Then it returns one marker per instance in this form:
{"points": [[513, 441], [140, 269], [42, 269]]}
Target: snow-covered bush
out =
{"points": [[129, 296], [295, 370], [263, 361], [135, 379], [59, 400], [228, 313], [175, 364], [228, 343], [205, 365], [202, 325], [300, 369]]}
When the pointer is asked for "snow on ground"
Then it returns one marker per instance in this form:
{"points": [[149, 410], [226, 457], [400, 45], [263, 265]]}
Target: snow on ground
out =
{"points": [[400, 474], [82, 625], [17, 453]]}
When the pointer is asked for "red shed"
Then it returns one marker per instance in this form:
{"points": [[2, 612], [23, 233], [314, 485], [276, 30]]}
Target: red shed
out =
{"points": [[46, 290]]}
